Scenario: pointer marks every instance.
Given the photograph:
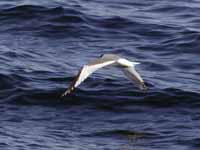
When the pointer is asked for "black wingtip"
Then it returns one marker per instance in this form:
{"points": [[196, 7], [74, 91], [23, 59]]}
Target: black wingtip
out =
{"points": [[65, 94], [143, 87]]}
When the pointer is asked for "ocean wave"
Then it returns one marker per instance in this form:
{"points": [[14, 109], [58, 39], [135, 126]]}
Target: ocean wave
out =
{"points": [[72, 22], [123, 134], [44, 43], [17, 90]]}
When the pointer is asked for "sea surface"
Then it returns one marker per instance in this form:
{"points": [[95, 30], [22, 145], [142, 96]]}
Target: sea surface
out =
{"points": [[43, 44]]}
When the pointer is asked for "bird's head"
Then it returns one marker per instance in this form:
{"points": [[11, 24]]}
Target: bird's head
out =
{"points": [[101, 55]]}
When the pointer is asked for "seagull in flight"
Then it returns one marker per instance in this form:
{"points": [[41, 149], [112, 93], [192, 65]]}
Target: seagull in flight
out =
{"points": [[128, 67]]}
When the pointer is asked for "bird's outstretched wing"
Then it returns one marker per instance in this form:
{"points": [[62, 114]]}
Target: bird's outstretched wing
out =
{"points": [[132, 74], [87, 70]]}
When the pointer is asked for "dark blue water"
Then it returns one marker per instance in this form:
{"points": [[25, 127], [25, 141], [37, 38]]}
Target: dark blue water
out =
{"points": [[43, 44]]}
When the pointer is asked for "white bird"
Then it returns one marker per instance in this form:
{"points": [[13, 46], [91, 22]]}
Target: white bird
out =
{"points": [[127, 67]]}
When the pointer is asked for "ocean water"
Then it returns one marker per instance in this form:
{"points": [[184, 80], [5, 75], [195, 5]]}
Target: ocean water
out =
{"points": [[43, 44]]}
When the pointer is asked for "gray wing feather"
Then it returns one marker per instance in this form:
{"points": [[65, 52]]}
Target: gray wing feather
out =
{"points": [[85, 72], [134, 76]]}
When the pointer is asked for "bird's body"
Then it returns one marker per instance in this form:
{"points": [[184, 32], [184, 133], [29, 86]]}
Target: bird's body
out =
{"points": [[127, 67]]}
